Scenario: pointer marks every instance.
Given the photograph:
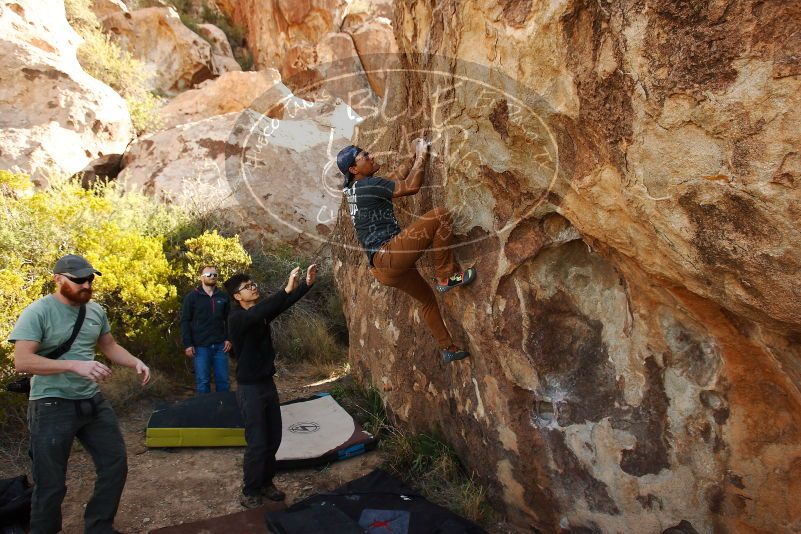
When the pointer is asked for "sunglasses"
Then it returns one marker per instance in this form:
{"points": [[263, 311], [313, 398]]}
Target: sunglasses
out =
{"points": [[79, 280], [251, 286], [363, 155], [210, 275]]}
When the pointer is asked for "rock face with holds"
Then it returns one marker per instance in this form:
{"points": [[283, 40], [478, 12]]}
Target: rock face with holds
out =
{"points": [[627, 182]]}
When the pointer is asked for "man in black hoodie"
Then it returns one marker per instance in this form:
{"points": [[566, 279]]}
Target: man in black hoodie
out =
{"points": [[257, 396]]}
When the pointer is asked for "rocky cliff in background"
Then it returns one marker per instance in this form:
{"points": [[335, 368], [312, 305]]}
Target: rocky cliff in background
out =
{"points": [[176, 57], [304, 37], [53, 116], [270, 186], [626, 180]]}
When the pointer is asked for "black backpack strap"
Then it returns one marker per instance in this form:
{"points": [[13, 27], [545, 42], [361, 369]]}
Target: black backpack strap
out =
{"points": [[65, 347]]}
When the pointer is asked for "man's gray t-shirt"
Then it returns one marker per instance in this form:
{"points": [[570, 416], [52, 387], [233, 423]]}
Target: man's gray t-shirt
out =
{"points": [[50, 322], [370, 206]]}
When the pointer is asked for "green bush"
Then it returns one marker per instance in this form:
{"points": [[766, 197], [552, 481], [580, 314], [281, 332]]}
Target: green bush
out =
{"points": [[190, 22], [149, 254], [245, 60], [210, 248], [192, 16], [235, 33], [130, 238], [103, 59], [145, 111], [10, 183]]}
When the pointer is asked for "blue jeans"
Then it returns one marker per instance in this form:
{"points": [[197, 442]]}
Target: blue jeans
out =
{"points": [[205, 358]]}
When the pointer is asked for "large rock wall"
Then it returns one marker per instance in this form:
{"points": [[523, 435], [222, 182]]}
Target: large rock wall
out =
{"points": [[636, 322]]}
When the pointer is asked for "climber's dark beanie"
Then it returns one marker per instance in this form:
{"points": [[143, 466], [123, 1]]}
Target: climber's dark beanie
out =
{"points": [[345, 159]]}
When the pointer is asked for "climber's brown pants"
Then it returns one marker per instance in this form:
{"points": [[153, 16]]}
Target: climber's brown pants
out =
{"points": [[394, 264]]}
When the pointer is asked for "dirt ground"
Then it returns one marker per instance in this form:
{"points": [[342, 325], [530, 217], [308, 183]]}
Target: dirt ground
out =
{"points": [[172, 486]]}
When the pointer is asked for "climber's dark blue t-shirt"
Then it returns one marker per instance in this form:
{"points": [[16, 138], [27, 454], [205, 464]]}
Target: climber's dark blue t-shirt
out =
{"points": [[370, 205]]}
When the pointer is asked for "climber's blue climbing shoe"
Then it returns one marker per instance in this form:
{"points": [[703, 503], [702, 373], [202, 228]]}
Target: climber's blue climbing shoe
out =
{"points": [[451, 354]]}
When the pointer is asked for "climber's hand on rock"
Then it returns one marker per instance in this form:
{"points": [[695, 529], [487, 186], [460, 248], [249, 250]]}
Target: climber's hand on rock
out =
{"points": [[421, 147]]}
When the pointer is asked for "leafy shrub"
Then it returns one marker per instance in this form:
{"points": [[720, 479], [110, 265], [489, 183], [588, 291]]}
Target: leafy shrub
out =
{"points": [[193, 15], [190, 22], [245, 60], [211, 248], [144, 109], [234, 32], [149, 254], [103, 59], [10, 182], [126, 236]]}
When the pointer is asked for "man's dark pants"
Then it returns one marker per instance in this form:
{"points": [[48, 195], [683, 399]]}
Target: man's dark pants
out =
{"points": [[261, 413], [54, 423]]}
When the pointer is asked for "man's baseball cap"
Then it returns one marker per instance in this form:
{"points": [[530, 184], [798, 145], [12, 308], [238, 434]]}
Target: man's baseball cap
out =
{"points": [[345, 159], [74, 265]]}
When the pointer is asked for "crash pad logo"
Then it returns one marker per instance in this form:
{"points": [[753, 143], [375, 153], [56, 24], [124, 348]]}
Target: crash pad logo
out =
{"points": [[492, 139], [304, 428]]}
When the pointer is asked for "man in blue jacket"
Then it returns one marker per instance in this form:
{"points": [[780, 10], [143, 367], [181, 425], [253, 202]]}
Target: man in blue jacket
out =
{"points": [[205, 333], [256, 394]]}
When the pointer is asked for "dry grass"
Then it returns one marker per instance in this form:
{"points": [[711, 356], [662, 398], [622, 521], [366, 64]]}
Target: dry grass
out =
{"points": [[422, 460], [124, 388], [433, 467], [13, 434], [313, 331], [305, 337]]}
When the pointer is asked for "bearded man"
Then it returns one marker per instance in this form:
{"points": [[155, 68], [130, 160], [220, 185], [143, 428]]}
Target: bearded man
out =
{"points": [[65, 401]]}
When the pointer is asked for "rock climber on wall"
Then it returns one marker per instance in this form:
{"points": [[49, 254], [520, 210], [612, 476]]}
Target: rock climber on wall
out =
{"points": [[393, 252]]}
